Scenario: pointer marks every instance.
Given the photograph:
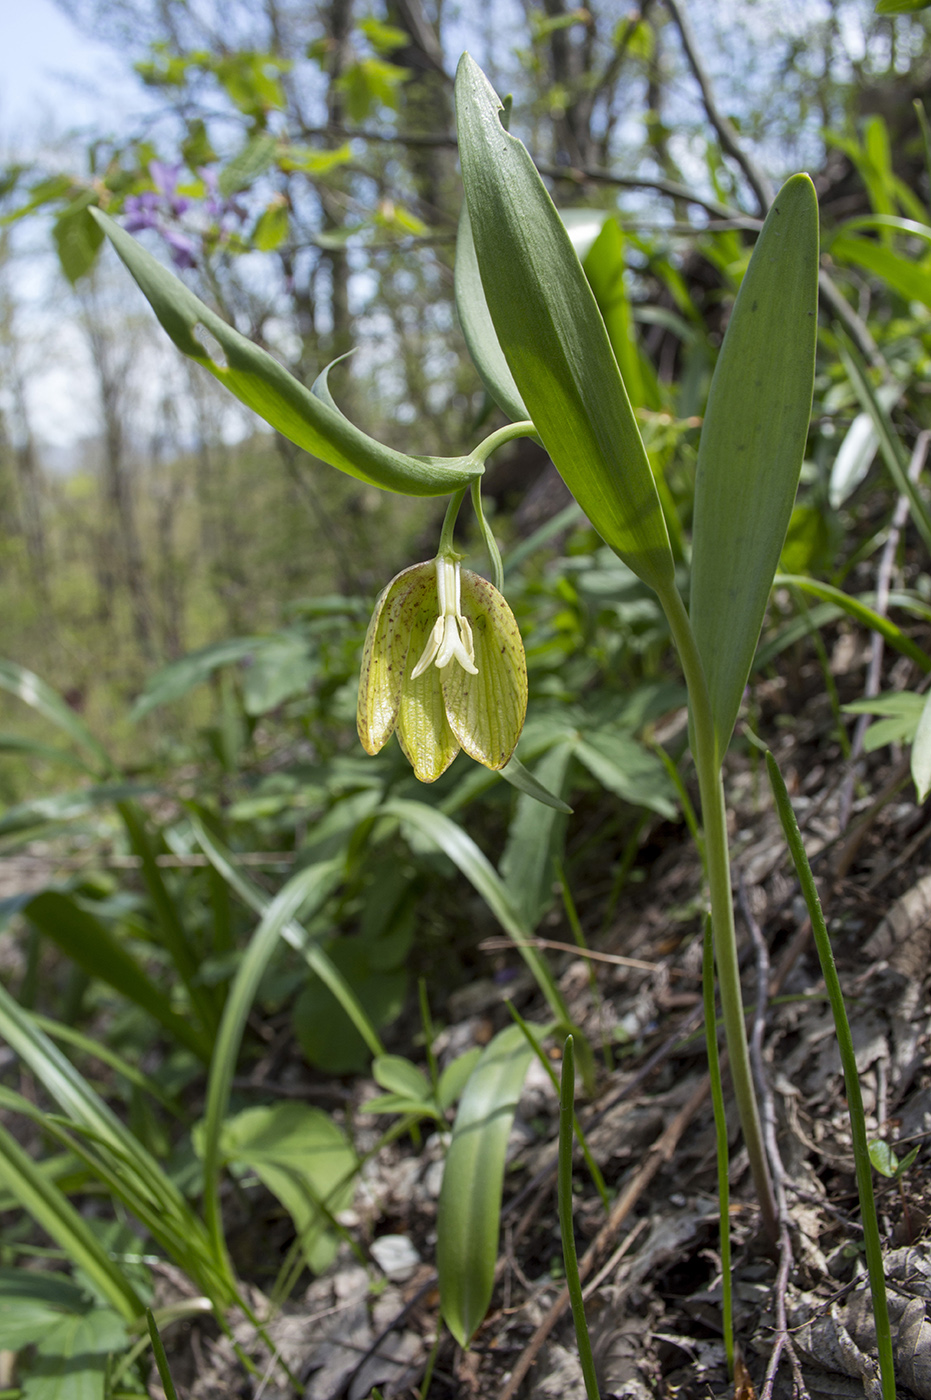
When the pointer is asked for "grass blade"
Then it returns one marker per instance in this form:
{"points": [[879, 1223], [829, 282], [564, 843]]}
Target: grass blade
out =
{"points": [[319, 962], [55, 1214], [312, 886], [161, 1360]]}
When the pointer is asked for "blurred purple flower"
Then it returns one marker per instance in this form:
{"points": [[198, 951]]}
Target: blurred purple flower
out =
{"points": [[183, 249]]}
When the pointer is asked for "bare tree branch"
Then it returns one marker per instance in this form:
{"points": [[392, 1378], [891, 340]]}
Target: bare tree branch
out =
{"points": [[727, 134]]}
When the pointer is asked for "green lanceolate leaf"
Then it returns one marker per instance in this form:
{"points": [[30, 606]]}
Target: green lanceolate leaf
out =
{"points": [[478, 327], [309, 418], [552, 335], [470, 1197], [752, 445], [87, 940]]}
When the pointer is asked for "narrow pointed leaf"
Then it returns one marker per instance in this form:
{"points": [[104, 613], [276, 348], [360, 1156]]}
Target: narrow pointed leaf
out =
{"points": [[40, 696], [55, 1214], [752, 445], [478, 328], [89, 943], [470, 1197], [552, 335], [309, 419]]}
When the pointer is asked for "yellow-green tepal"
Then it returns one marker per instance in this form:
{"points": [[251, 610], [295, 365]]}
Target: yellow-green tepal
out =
{"points": [[444, 665]]}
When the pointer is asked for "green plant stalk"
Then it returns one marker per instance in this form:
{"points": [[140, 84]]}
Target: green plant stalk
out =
{"points": [[861, 1151], [161, 1360], [593, 1168], [717, 861], [720, 1133], [570, 1258]]}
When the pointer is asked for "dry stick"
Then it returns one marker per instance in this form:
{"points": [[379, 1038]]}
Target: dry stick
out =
{"points": [[656, 1157], [768, 1114], [727, 133], [881, 605]]}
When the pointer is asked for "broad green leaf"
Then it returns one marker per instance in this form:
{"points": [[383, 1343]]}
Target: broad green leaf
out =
{"points": [[883, 1158], [921, 753], [552, 335], [470, 1197], [71, 1360], [248, 164], [626, 768], [77, 237], [901, 7], [308, 418], [89, 942], [901, 711], [31, 1302], [400, 1076], [305, 1160], [752, 445], [478, 328]]}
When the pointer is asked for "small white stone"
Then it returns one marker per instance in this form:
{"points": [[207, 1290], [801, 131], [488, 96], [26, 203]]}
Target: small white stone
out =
{"points": [[395, 1256]]}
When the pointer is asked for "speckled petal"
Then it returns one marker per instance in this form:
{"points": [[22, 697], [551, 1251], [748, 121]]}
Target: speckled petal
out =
{"points": [[424, 734], [386, 651], [486, 711]]}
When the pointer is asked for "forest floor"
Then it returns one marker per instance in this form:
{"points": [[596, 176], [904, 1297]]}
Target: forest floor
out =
{"points": [[653, 1264]]}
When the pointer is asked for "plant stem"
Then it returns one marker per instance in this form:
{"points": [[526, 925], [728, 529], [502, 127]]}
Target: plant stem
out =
{"points": [[720, 1130], [861, 1151], [564, 1196], [714, 819]]}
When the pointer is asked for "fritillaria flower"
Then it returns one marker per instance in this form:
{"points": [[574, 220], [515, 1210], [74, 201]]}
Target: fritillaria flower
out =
{"points": [[444, 666]]}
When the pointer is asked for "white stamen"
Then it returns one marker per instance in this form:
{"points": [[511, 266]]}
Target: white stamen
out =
{"points": [[451, 636]]}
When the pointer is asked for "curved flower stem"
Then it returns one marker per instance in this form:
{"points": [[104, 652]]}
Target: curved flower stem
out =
{"points": [[491, 544], [446, 549], [714, 820]]}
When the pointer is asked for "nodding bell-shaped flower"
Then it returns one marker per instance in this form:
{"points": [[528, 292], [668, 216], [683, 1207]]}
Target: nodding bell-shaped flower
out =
{"points": [[443, 665]]}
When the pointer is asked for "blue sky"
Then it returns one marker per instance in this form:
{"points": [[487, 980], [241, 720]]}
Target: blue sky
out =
{"points": [[50, 75]]}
